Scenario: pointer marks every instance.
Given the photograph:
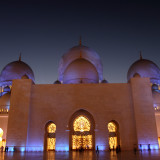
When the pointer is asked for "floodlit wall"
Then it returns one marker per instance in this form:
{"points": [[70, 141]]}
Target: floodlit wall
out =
{"points": [[32, 106], [19, 114], [105, 102], [144, 113]]}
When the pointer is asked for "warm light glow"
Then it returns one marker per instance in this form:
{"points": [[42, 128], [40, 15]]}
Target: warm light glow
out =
{"points": [[111, 127], [51, 140], [81, 124], [159, 141], [1, 132], [112, 142], [51, 143], [82, 138], [51, 128], [84, 141]]}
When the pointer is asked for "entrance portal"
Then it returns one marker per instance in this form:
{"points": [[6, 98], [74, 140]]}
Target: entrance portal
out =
{"points": [[82, 137]]}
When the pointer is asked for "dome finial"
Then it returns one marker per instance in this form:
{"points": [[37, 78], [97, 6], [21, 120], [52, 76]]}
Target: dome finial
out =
{"points": [[80, 41], [20, 56], [140, 55]]}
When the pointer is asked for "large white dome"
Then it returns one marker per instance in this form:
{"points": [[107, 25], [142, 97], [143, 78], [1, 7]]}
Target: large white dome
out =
{"points": [[145, 68], [80, 71], [16, 70], [74, 53]]}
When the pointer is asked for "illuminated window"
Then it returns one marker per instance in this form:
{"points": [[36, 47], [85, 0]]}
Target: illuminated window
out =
{"points": [[81, 124], [159, 141], [82, 137], [111, 127], [51, 140], [51, 128]]}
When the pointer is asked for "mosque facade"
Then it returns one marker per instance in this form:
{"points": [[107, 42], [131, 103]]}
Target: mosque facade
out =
{"points": [[81, 109]]}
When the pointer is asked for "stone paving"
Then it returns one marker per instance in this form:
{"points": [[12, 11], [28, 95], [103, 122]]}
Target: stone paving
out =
{"points": [[86, 155]]}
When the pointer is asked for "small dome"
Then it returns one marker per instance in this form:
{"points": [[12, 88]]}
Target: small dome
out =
{"points": [[104, 81], [144, 68], [156, 98], [74, 53], [24, 77], [80, 71], [6, 89], [155, 87], [57, 82], [16, 70]]}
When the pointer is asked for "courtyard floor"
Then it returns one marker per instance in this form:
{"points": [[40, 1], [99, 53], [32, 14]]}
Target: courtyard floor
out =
{"points": [[86, 155]]}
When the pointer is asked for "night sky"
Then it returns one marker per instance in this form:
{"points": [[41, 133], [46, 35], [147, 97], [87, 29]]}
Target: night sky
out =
{"points": [[44, 30]]}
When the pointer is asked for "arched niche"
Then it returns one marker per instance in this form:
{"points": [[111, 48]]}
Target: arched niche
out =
{"points": [[114, 136], [50, 136]]}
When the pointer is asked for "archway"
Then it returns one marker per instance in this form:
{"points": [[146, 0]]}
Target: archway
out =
{"points": [[50, 136], [113, 129], [82, 131]]}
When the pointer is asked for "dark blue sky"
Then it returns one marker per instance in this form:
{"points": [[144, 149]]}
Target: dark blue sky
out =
{"points": [[44, 30]]}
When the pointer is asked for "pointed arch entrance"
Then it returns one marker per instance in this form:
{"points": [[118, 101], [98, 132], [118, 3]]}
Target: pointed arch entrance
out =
{"points": [[50, 136], [114, 139], [82, 134]]}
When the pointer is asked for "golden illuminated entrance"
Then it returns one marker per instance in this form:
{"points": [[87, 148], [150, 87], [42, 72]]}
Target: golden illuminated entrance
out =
{"points": [[51, 140], [112, 128], [81, 137]]}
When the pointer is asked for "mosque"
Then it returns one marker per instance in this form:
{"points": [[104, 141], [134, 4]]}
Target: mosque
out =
{"points": [[81, 109]]}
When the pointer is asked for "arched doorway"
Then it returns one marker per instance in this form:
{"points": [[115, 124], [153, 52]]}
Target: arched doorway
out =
{"points": [[81, 138], [82, 131], [113, 129], [50, 136]]}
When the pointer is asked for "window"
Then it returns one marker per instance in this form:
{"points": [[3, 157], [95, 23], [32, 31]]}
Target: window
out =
{"points": [[81, 124]]}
